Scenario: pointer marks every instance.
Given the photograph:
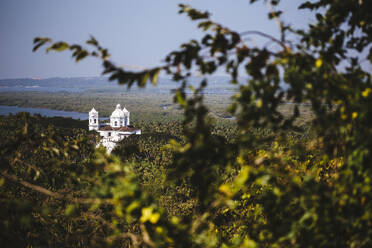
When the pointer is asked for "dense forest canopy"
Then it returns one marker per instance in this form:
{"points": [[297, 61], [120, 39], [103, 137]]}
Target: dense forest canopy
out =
{"points": [[265, 181]]}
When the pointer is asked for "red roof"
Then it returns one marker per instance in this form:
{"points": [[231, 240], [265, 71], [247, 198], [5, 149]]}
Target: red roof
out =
{"points": [[123, 129]]}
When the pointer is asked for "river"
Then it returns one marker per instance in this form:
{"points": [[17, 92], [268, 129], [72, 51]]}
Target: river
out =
{"points": [[6, 110]]}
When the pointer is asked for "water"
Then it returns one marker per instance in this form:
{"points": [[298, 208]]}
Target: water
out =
{"points": [[37, 88], [6, 110]]}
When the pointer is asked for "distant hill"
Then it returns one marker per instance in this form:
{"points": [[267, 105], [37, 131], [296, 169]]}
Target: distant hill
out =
{"points": [[217, 85]]}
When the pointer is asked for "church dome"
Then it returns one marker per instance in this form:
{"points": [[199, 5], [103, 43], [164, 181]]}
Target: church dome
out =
{"points": [[118, 113]]}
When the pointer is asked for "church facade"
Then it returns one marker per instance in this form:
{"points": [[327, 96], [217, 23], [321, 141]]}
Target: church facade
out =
{"points": [[115, 130]]}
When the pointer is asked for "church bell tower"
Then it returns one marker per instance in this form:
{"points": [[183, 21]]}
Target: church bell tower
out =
{"points": [[93, 120]]}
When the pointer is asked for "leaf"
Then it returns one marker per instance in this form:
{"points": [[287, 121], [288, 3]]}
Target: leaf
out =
{"points": [[81, 55], [306, 5], [366, 92], [259, 103], [75, 47], [92, 41], [144, 78], [193, 13], [58, 47], [180, 99], [275, 14], [39, 42], [318, 63], [148, 215], [155, 76], [205, 25], [70, 210], [104, 54]]}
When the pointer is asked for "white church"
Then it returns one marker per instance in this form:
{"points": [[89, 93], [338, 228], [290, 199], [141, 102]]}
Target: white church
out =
{"points": [[114, 131]]}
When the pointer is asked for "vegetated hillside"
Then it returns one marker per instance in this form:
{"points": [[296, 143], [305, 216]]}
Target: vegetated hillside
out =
{"points": [[220, 85], [266, 182], [50, 171], [143, 106]]}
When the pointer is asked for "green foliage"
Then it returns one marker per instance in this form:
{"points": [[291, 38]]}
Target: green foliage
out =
{"points": [[266, 182], [39, 160]]}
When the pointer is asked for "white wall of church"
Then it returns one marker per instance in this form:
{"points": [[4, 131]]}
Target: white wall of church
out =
{"points": [[93, 121], [116, 122], [119, 118]]}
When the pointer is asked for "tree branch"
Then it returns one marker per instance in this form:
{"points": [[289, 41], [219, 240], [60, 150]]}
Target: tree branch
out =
{"points": [[266, 36], [136, 241], [280, 24], [50, 193], [146, 236]]}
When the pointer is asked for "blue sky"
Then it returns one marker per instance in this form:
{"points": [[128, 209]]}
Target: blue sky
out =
{"points": [[137, 32]]}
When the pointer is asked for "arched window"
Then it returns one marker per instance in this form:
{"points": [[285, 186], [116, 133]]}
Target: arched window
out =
{"points": [[116, 123], [95, 121]]}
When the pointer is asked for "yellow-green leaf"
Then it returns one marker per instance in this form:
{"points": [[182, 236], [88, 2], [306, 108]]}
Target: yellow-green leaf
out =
{"points": [[318, 63]]}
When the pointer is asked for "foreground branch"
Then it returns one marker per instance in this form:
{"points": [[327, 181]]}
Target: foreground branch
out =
{"points": [[266, 36], [50, 193]]}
